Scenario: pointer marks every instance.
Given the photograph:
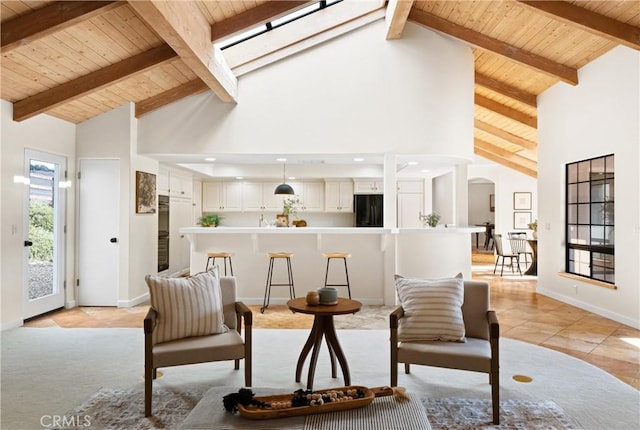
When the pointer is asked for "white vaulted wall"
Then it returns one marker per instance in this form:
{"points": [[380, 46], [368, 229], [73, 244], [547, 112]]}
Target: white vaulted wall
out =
{"points": [[599, 116], [355, 94]]}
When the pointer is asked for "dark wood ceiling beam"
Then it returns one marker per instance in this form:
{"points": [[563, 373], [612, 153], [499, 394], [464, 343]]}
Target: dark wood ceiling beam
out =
{"points": [[183, 26], [255, 16], [167, 97], [52, 18], [505, 135], [91, 82], [506, 90], [396, 17], [513, 53], [505, 158], [506, 111], [587, 20]]}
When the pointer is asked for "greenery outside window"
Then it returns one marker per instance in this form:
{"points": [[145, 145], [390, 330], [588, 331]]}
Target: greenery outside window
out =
{"points": [[590, 219]]}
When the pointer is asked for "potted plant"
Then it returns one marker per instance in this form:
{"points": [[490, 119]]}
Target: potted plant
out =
{"points": [[432, 219], [290, 206], [534, 226], [209, 220]]}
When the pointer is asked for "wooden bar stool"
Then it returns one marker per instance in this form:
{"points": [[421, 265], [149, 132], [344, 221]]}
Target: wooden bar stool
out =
{"points": [[329, 256], [211, 258], [267, 289]]}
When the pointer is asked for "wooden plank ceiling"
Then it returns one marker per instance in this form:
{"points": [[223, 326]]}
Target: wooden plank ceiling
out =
{"points": [[77, 59]]}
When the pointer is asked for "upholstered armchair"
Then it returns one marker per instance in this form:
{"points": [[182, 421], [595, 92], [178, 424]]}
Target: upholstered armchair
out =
{"points": [[171, 296], [478, 353]]}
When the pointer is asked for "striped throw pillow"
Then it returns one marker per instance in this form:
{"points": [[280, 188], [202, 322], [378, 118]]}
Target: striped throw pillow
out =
{"points": [[188, 306], [432, 309]]}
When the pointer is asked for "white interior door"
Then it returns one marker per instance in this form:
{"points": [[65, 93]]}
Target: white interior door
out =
{"points": [[44, 251], [99, 226], [410, 206]]}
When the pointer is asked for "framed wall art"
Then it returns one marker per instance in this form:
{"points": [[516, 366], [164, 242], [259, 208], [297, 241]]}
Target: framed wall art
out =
{"points": [[521, 220], [521, 201], [492, 202], [145, 193]]}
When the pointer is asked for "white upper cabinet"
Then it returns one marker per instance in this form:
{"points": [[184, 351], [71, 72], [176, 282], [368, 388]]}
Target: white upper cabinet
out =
{"points": [[258, 196], [311, 195], [163, 182], [180, 185], [368, 186], [221, 196], [338, 196]]}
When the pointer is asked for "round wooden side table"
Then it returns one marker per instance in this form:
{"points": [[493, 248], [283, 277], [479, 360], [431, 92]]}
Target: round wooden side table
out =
{"points": [[323, 327]]}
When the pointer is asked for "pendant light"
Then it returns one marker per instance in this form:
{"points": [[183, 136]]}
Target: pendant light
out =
{"points": [[283, 188]]}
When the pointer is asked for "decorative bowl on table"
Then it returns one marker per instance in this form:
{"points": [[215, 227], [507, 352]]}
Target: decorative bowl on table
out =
{"points": [[328, 296]]}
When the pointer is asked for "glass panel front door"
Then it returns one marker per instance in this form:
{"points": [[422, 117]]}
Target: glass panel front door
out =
{"points": [[45, 228]]}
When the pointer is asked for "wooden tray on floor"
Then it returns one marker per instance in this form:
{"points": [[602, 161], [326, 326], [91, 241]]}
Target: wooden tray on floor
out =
{"points": [[255, 413]]}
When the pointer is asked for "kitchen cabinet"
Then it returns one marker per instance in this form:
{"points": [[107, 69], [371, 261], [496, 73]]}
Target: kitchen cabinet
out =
{"points": [[221, 196], [163, 181], [311, 195], [258, 196], [180, 215], [196, 205], [180, 185], [368, 186], [410, 203], [338, 196]]}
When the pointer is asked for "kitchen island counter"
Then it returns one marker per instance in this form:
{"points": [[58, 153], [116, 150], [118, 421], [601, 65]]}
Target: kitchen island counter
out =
{"points": [[284, 230], [377, 254]]}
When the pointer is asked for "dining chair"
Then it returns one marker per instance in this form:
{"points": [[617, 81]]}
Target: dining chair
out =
{"points": [[502, 254]]}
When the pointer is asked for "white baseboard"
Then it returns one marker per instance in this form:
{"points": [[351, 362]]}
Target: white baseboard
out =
{"points": [[8, 325], [591, 308], [144, 298], [70, 304]]}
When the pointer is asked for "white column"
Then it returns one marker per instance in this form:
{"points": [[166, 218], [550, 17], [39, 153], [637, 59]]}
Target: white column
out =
{"points": [[390, 191], [461, 197]]}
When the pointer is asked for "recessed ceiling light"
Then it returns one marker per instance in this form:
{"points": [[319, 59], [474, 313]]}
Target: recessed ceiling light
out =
{"points": [[412, 163], [291, 178], [239, 177], [209, 159], [281, 159], [425, 170], [358, 159]]}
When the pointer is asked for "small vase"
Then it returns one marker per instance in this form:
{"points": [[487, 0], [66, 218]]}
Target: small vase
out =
{"points": [[535, 234]]}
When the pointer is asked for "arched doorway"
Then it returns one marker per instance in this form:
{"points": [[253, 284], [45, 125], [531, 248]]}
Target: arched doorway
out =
{"points": [[481, 206]]}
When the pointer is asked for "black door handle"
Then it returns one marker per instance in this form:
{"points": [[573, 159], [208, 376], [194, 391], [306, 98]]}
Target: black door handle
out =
{"points": [[113, 240], [28, 243]]}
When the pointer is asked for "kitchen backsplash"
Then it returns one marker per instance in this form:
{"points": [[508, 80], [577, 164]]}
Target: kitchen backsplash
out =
{"points": [[313, 219]]}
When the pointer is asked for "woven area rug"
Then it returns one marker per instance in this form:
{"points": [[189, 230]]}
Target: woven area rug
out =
{"points": [[123, 409], [514, 414]]}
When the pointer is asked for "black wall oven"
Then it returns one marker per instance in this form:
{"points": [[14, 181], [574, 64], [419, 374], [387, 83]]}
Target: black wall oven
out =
{"points": [[163, 233]]}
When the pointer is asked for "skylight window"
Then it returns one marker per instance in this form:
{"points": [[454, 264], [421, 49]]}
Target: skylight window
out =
{"points": [[295, 15], [279, 22]]}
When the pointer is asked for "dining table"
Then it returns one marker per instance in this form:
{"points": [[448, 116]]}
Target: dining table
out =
{"points": [[533, 268]]}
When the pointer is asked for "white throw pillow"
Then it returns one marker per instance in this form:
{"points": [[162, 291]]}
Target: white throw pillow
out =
{"points": [[432, 309], [187, 306]]}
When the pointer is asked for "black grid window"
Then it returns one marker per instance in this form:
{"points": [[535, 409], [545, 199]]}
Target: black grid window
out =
{"points": [[590, 219]]}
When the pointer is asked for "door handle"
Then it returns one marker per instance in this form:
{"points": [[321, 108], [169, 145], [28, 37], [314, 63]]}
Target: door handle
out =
{"points": [[28, 243], [113, 240]]}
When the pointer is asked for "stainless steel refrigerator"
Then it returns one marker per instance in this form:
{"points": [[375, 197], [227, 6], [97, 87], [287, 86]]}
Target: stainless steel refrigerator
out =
{"points": [[368, 210]]}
